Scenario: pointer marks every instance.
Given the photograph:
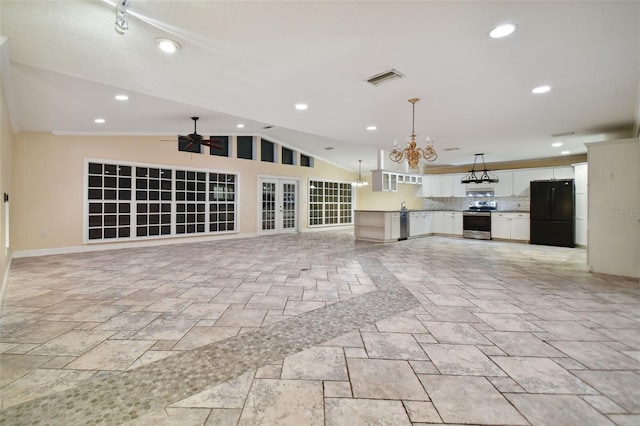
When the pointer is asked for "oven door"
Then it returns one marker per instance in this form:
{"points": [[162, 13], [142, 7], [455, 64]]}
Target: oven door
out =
{"points": [[476, 225]]}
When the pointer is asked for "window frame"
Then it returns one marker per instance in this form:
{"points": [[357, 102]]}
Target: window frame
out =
{"points": [[230, 202], [336, 200]]}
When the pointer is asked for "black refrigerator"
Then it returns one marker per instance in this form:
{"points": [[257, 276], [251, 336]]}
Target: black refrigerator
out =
{"points": [[552, 213]]}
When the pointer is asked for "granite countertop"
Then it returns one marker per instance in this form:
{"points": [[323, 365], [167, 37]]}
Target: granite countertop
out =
{"points": [[400, 211], [437, 210]]}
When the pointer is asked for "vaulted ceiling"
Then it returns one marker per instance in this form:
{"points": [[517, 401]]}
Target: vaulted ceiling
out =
{"points": [[251, 62]]}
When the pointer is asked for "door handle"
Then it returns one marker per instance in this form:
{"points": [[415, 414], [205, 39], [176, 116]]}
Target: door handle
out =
{"points": [[553, 199]]}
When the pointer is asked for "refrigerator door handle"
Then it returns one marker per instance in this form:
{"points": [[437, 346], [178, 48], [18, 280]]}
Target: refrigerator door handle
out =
{"points": [[551, 205]]}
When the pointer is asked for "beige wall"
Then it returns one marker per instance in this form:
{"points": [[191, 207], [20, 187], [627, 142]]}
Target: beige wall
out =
{"points": [[369, 200], [6, 142], [614, 207], [48, 178]]}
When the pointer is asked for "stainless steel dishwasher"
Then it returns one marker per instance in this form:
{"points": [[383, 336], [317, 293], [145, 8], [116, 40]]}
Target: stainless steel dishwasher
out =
{"points": [[404, 225]]}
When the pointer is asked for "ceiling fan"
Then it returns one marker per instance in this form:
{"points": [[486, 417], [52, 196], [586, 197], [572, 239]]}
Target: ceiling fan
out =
{"points": [[193, 141]]}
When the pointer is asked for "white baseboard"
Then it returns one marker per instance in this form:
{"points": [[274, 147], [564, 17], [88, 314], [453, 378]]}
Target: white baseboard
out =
{"points": [[327, 228], [153, 243], [123, 245]]}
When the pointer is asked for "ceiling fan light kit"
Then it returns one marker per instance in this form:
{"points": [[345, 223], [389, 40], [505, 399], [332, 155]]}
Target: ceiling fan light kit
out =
{"points": [[193, 141]]}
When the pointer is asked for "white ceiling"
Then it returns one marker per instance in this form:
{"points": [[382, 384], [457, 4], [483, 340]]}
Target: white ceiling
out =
{"points": [[250, 62]]}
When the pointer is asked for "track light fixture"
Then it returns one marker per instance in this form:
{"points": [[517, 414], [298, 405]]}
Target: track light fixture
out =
{"points": [[122, 19]]}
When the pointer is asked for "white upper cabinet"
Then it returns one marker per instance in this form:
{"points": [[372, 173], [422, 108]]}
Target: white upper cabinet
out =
{"points": [[542, 174], [563, 172], [511, 183], [504, 187], [384, 181], [459, 189], [448, 186], [553, 173], [521, 182], [445, 188], [387, 181], [425, 190]]}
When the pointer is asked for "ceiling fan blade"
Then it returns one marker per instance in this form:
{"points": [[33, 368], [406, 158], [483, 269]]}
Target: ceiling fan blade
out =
{"points": [[213, 143], [187, 144]]}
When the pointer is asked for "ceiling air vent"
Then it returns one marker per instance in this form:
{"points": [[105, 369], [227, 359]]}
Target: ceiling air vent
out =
{"points": [[384, 77]]}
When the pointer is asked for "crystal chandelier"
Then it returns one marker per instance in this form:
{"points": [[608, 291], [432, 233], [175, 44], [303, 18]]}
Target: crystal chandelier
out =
{"points": [[412, 153], [360, 181]]}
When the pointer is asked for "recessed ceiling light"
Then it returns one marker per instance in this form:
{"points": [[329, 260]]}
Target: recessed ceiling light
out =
{"points": [[502, 30], [565, 152], [121, 98], [167, 45], [240, 125], [301, 107], [372, 128], [541, 89], [99, 121], [556, 144]]}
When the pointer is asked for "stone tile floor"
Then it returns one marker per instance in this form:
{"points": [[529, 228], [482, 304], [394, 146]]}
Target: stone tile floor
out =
{"points": [[317, 329]]}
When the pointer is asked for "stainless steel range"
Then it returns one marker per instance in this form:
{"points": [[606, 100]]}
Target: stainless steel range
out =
{"points": [[476, 222]]}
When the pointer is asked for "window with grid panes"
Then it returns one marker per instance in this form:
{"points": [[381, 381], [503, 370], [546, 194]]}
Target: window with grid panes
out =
{"points": [[330, 203], [191, 197], [345, 202], [316, 210], [222, 202], [153, 201], [131, 201], [109, 201]]}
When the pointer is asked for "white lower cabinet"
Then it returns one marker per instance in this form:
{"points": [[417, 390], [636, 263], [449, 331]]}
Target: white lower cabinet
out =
{"points": [[420, 223], [500, 228], [377, 226], [449, 223], [428, 222], [520, 228], [440, 225], [510, 226], [392, 226], [456, 218], [416, 224]]}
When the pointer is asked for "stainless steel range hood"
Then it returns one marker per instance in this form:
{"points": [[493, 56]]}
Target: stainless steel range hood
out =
{"points": [[480, 191]]}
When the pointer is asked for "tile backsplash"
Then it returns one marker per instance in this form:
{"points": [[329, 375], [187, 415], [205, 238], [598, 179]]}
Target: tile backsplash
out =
{"points": [[462, 203]]}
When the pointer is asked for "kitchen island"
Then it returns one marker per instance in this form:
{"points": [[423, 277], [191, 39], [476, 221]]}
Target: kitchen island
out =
{"points": [[385, 225], [377, 225]]}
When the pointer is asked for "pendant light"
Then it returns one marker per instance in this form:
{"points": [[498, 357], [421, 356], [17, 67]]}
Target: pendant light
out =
{"points": [[359, 181], [484, 174]]}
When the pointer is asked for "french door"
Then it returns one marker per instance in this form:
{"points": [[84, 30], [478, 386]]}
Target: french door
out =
{"points": [[279, 206]]}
